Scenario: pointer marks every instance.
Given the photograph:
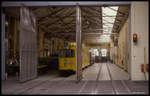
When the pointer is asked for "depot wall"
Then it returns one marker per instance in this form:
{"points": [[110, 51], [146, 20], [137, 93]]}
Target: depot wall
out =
{"points": [[139, 25], [120, 54], [123, 47]]}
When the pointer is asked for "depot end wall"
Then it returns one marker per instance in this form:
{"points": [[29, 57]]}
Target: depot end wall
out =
{"points": [[139, 25]]}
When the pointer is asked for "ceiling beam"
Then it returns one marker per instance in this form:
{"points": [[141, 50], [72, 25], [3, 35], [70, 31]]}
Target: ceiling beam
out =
{"points": [[64, 27], [49, 24], [101, 20], [87, 16], [92, 19], [99, 12], [62, 3], [93, 9], [52, 29], [58, 23], [58, 29], [123, 19], [62, 20], [88, 12], [49, 15], [116, 11]]}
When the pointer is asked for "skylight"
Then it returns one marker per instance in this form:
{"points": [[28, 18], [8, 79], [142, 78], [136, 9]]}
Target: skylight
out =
{"points": [[109, 15]]}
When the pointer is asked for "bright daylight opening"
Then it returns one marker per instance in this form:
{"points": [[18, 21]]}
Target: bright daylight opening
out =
{"points": [[104, 52], [109, 15]]}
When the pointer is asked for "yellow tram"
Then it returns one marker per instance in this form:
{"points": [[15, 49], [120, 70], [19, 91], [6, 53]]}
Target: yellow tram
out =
{"points": [[67, 57]]}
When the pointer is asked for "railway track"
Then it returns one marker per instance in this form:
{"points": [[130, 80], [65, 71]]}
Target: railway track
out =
{"points": [[97, 79], [99, 74], [112, 84], [114, 90]]}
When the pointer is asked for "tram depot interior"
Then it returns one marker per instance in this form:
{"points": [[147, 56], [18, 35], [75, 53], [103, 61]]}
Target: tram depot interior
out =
{"points": [[104, 43]]}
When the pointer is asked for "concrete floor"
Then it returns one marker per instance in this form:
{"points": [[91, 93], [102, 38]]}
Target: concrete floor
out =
{"points": [[96, 80], [91, 73]]}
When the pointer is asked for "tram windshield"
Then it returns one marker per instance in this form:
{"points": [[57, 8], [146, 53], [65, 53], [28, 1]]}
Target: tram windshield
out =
{"points": [[67, 53]]}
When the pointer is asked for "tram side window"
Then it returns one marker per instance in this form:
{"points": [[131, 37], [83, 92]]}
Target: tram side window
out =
{"points": [[67, 53]]}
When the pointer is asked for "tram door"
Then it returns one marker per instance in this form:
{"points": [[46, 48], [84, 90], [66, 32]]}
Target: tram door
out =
{"points": [[28, 45]]}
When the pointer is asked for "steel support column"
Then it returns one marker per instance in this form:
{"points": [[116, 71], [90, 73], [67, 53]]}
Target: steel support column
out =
{"points": [[78, 44], [3, 45]]}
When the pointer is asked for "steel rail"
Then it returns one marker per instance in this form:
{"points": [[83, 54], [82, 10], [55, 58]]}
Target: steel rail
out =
{"points": [[111, 78], [97, 79], [125, 85]]}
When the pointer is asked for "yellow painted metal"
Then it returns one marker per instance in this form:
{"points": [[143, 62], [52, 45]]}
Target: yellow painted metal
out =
{"points": [[70, 63], [67, 64], [98, 45], [85, 56]]}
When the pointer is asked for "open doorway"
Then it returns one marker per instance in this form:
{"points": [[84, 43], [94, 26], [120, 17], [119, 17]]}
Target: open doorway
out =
{"points": [[107, 34], [89, 57], [51, 27]]}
